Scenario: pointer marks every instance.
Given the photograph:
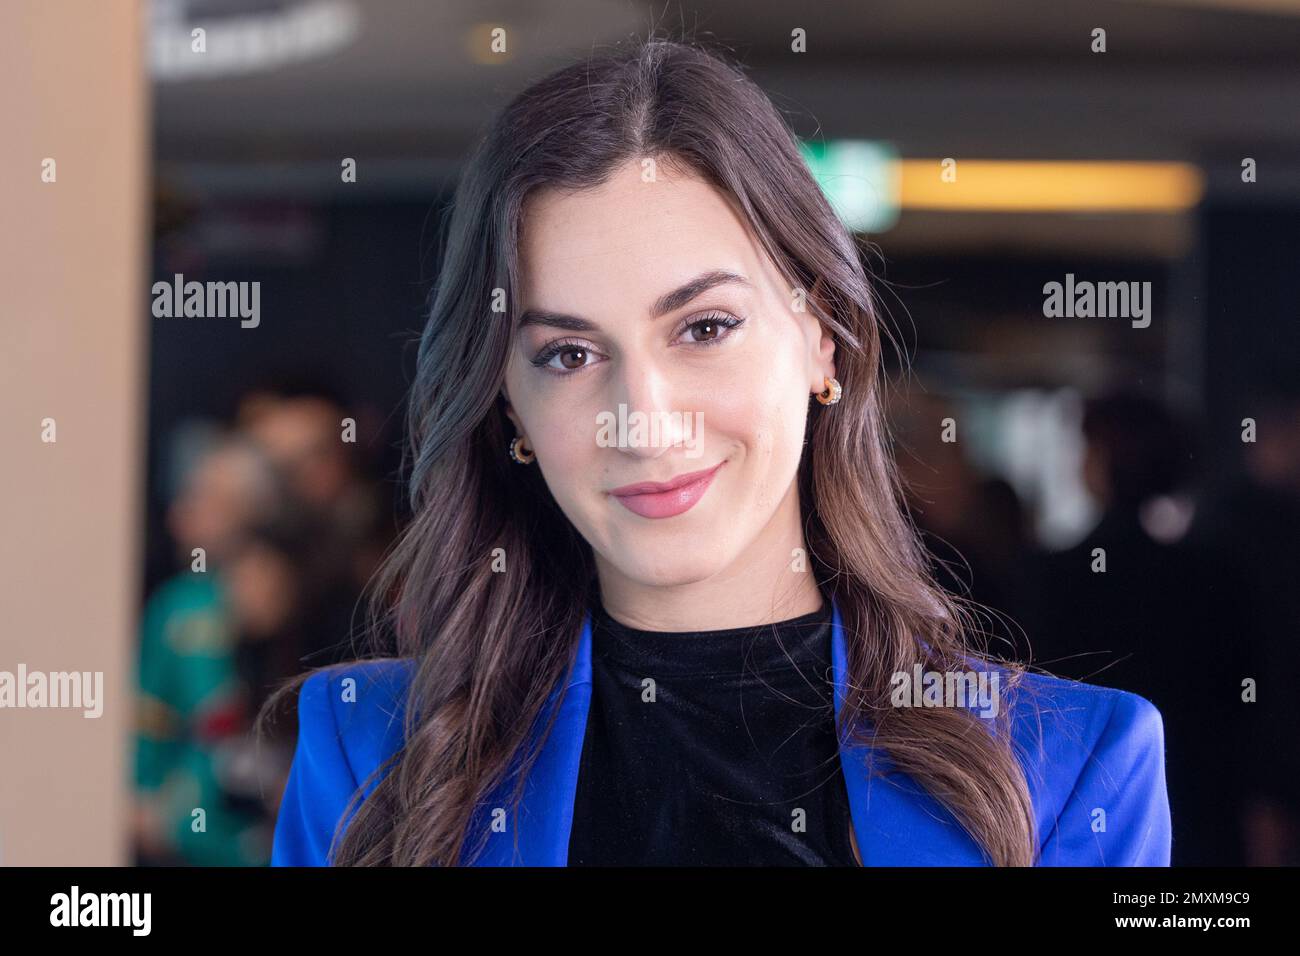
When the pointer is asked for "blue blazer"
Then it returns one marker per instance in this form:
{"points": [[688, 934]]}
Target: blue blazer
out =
{"points": [[1093, 759]]}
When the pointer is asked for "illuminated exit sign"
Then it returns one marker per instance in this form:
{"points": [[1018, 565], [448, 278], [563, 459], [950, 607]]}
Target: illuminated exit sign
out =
{"points": [[860, 178]]}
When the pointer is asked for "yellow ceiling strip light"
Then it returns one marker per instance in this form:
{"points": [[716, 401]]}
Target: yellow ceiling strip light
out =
{"points": [[1034, 186]]}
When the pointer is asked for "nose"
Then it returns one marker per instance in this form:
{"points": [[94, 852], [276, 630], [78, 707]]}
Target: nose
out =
{"points": [[646, 392]]}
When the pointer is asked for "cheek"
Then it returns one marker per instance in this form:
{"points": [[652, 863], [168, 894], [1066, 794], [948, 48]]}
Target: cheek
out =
{"points": [[556, 435], [781, 448], [765, 412], [562, 433], [760, 401]]}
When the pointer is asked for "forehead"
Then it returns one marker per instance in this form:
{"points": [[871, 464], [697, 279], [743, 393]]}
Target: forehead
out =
{"points": [[629, 237]]}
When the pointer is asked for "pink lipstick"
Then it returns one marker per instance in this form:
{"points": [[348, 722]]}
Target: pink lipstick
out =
{"points": [[663, 499]]}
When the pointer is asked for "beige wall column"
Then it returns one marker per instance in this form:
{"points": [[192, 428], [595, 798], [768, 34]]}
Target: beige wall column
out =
{"points": [[73, 90]]}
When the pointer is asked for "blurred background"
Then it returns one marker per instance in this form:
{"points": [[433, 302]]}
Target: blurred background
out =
{"points": [[243, 482]]}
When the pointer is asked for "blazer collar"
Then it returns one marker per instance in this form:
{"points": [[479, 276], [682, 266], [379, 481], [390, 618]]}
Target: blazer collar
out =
{"points": [[894, 820]]}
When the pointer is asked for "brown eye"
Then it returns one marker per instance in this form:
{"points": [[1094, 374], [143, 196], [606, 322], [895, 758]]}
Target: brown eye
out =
{"points": [[579, 357], [711, 329], [705, 330], [565, 358]]}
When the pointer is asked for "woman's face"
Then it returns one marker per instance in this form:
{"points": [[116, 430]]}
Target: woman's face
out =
{"points": [[628, 369]]}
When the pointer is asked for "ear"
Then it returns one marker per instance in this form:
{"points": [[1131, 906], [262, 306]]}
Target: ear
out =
{"points": [[823, 340], [511, 413]]}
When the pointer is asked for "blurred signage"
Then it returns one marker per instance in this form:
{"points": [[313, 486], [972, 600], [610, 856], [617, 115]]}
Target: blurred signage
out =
{"points": [[860, 178]]}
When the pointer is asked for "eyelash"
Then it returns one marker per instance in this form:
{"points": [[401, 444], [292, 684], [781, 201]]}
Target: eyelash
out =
{"points": [[543, 359]]}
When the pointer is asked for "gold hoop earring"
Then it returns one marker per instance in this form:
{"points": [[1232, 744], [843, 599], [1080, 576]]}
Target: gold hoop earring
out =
{"points": [[832, 393], [519, 454]]}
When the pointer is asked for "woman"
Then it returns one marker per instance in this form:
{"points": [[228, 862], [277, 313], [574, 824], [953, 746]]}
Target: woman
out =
{"points": [[656, 604]]}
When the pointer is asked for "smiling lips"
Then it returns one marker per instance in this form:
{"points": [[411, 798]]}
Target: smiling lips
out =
{"points": [[663, 499]]}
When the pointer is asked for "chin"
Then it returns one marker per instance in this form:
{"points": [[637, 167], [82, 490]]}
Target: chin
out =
{"points": [[672, 564]]}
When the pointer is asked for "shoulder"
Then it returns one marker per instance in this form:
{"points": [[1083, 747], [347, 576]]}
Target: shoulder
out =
{"points": [[360, 700], [1094, 760], [350, 721]]}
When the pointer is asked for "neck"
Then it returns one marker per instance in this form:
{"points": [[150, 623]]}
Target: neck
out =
{"points": [[766, 583]]}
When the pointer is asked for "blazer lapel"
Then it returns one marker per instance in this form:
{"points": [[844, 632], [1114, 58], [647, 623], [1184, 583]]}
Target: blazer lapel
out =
{"points": [[546, 807], [896, 822]]}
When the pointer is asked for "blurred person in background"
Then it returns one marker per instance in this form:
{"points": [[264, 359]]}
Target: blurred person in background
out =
{"points": [[975, 527], [1137, 625], [192, 698], [1248, 528], [1111, 626], [307, 430], [270, 607]]}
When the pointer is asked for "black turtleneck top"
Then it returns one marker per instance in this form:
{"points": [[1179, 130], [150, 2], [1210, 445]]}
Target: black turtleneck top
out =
{"points": [[711, 748]]}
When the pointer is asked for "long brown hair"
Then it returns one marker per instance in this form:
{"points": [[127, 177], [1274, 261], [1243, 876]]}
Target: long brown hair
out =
{"points": [[489, 647]]}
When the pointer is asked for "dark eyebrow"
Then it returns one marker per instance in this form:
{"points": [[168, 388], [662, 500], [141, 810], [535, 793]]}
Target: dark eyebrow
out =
{"points": [[668, 302], [672, 301]]}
